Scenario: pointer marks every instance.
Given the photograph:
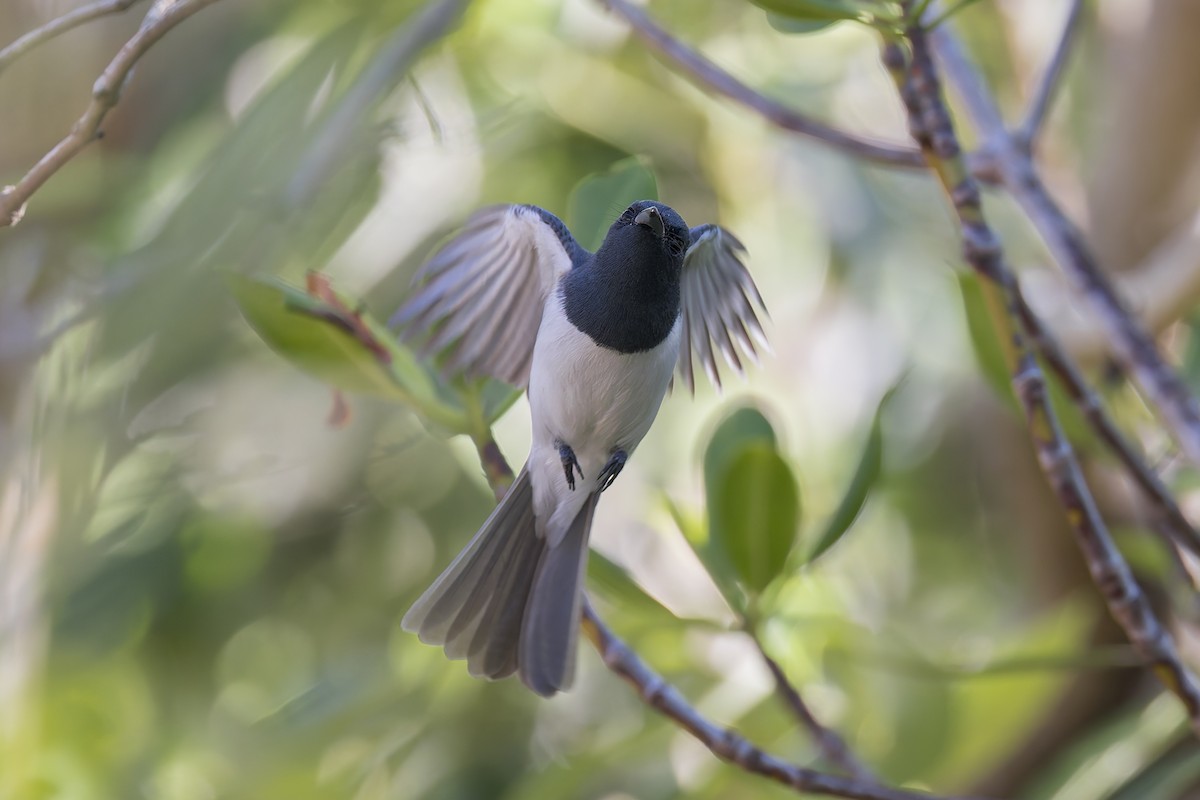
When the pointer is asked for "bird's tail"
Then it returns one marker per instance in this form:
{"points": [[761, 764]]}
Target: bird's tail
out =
{"points": [[508, 603]]}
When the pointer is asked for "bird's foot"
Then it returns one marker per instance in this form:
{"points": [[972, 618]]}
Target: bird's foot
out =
{"points": [[570, 464], [616, 462]]}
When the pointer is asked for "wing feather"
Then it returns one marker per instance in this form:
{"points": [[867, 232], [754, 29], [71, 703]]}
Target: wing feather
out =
{"points": [[478, 301], [719, 299]]}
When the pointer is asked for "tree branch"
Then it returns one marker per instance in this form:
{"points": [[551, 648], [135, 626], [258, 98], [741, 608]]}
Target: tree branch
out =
{"points": [[59, 25], [106, 92], [832, 745], [1133, 346], [706, 74], [930, 124], [1051, 79], [1092, 407], [656, 692], [726, 744]]}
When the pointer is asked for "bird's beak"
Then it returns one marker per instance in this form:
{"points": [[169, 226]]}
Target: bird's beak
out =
{"points": [[651, 219]]}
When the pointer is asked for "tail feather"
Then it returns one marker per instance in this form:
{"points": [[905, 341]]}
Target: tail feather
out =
{"points": [[509, 602], [465, 587], [551, 626]]}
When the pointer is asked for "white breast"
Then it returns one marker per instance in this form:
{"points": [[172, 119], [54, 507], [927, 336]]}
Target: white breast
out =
{"points": [[594, 399]]}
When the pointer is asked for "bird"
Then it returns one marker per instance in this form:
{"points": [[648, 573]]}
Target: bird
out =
{"points": [[595, 340]]}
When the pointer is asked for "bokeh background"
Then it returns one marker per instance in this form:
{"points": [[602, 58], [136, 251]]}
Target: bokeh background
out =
{"points": [[201, 578]]}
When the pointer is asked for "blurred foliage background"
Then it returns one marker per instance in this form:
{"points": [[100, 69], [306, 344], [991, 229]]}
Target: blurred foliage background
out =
{"points": [[201, 578]]}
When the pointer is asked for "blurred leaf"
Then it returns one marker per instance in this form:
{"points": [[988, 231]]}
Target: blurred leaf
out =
{"points": [[754, 506], [742, 427], [755, 512], [614, 584], [498, 397], [313, 335], [1135, 739], [597, 200], [793, 25], [712, 556], [1191, 354], [989, 351], [829, 10], [1168, 778], [870, 463]]}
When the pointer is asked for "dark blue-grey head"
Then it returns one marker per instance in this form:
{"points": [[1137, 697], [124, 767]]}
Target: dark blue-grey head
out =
{"points": [[627, 296], [653, 230]]}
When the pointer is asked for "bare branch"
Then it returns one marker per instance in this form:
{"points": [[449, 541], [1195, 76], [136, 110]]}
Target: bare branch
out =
{"points": [[1133, 347], [59, 25], [660, 695], [1051, 80], [726, 744], [162, 17], [832, 745], [1092, 407], [930, 123], [705, 73]]}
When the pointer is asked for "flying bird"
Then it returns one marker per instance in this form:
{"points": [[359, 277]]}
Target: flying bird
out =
{"points": [[594, 338]]}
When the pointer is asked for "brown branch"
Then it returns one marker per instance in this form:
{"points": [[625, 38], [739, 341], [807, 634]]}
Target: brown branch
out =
{"points": [[162, 17], [59, 25], [708, 75], [1091, 406], [832, 745], [930, 124], [1133, 346], [726, 744], [656, 692], [1051, 80]]}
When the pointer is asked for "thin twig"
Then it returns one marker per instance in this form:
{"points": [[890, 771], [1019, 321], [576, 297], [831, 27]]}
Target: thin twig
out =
{"points": [[1133, 347], [930, 124], [726, 744], [59, 25], [1091, 406], [659, 694], [832, 745], [162, 17], [1051, 80], [705, 73]]}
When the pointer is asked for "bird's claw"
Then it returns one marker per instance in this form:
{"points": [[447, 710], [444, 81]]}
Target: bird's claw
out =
{"points": [[570, 464], [616, 462]]}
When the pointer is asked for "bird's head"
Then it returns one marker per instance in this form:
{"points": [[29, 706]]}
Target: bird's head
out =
{"points": [[651, 232]]}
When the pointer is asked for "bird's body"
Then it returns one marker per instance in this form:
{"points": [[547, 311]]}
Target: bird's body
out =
{"points": [[596, 338], [596, 400]]}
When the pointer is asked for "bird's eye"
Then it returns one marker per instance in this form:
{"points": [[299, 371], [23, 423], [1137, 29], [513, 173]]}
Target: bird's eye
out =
{"points": [[629, 214]]}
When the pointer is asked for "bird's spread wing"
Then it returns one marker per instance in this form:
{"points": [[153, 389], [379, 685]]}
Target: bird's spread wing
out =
{"points": [[718, 298], [479, 300]]}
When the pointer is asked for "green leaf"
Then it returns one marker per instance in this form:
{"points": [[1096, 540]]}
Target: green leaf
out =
{"points": [[742, 427], [792, 25], [989, 351], [498, 397], [614, 584], [755, 512], [597, 200], [829, 11], [306, 331], [866, 474]]}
